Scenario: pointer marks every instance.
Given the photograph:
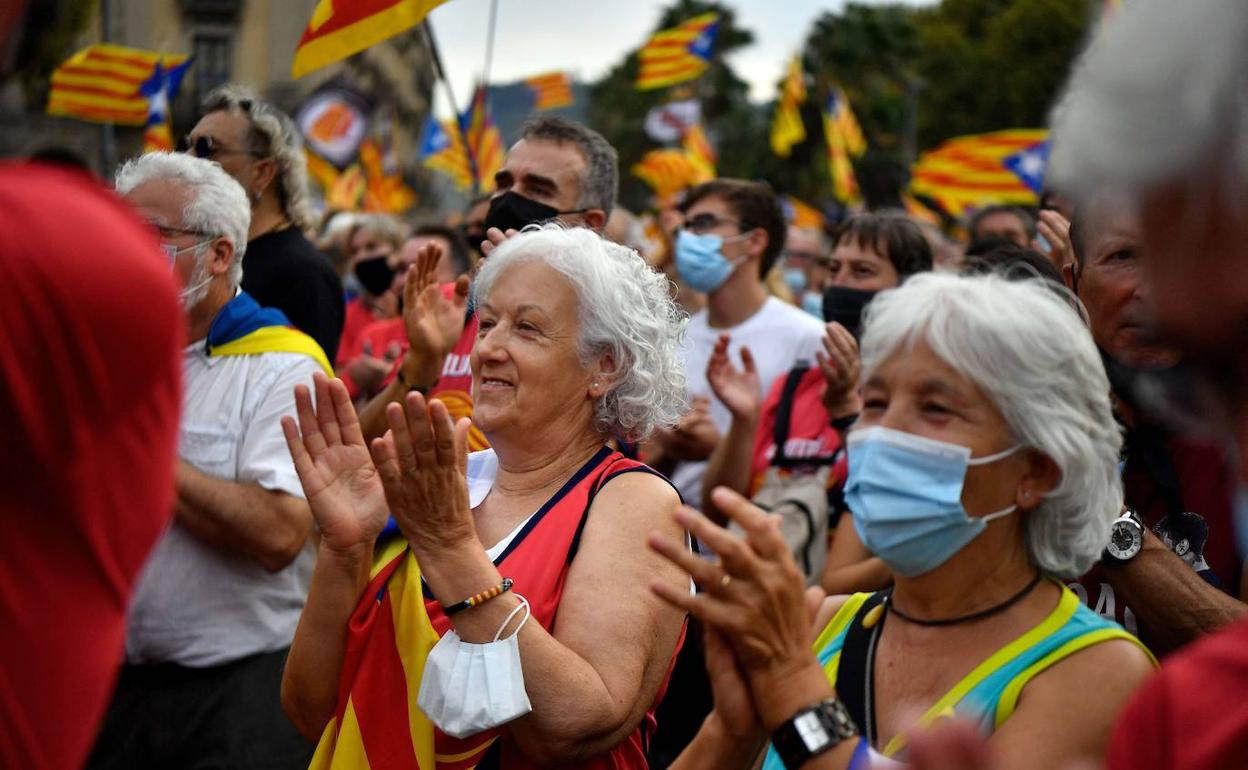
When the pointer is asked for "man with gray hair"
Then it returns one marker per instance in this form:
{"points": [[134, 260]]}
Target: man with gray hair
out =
{"points": [[215, 608], [259, 146], [1156, 113]]}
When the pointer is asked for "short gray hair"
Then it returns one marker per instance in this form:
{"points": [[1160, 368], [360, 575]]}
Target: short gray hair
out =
{"points": [[218, 204], [1160, 95], [1024, 346], [272, 134], [625, 309], [601, 181]]}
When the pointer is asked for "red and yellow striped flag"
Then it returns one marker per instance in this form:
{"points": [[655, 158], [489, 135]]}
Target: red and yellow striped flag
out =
{"points": [[384, 192], [845, 141], [483, 140], [801, 214], [667, 171], [103, 83], [700, 153], [442, 149], [972, 171], [678, 54], [787, 128], [340, 28], [347, 190], [550, 91], [321, 171]]}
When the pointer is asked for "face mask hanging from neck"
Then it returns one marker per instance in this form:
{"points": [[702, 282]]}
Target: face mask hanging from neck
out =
{"points": [[905, 492]]}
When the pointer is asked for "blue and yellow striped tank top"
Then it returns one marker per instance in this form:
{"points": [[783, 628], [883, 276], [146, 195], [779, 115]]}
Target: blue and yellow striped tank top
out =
{"points": [[988, 695]]}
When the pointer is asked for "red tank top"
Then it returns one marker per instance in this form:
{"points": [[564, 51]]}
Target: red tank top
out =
{"points": [[537, 560]]}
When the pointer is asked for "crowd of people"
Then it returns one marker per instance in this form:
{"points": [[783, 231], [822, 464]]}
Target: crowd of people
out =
{"points": [[526, 489]]}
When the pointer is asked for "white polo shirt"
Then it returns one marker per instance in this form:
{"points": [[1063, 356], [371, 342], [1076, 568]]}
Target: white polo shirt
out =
{"points": [[195, 605]]}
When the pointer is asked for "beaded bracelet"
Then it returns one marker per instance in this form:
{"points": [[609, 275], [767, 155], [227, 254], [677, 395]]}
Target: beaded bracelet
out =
{"points": [[481, 598]]}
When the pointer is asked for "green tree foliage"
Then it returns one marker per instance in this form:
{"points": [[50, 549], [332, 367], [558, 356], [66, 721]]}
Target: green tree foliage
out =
{"points": [[992, 64]]}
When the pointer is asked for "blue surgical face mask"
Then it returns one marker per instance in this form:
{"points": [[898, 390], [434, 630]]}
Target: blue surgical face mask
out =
{"points": [[700, 261], [812, 302], [795, 279], [905, 492]]}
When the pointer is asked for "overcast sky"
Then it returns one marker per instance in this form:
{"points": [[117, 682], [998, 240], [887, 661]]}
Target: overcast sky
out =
{"points": [[587, 37]]}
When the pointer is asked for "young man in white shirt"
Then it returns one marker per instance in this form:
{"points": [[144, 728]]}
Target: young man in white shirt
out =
{"points": [[733, 233]]}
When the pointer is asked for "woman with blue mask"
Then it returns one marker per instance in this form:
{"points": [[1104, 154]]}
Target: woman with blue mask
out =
{"points": [[982, 471]]}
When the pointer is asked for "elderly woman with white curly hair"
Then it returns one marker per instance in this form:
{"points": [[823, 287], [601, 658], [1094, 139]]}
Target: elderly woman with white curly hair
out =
{"points": [[983, 472], [524, 566]]}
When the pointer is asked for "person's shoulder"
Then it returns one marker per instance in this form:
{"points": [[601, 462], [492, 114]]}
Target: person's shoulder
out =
{"points": [[635, 483], [776, 311]]}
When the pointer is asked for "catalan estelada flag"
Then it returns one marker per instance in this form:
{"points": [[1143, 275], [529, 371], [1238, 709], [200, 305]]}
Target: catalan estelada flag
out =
{"points": [[442, 149], [801, 214], [348, 189], [550, 91], [844, 141], [483, 140], [376, 723], [977, 170], [321, 171], [678, 54], [787, 128], [700, 153], [340, 28], [667, 171], [243, 328], [104, 83], [384, 190], [161, 89]]}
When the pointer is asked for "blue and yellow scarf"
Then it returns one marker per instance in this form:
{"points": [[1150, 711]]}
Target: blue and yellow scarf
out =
{"points": [[243, 328]]}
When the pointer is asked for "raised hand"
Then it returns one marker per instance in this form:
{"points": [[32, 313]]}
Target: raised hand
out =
{"points": [[1056, 231], [739, 389], [433, 321], [423, 462], [493, 237], [341, 484], [842, 368]]}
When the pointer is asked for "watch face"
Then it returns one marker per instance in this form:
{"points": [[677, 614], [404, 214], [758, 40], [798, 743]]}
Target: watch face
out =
{"points": [[1125, 540]]}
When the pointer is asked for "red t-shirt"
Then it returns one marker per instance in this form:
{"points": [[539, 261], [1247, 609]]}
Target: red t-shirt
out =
{"points": [[454, 387], [810, 434], [1202, 534], [1191, 715], [90, 370]]}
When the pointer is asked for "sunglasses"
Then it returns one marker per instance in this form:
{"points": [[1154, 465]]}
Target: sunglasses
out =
{"points": [[206, 147]]}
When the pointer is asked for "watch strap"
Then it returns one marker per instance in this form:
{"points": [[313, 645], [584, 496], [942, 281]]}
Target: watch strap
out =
{"points": [[812, 731]]}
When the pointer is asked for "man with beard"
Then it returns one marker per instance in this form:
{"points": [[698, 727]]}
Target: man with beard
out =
{"points": [[1180, 486]]}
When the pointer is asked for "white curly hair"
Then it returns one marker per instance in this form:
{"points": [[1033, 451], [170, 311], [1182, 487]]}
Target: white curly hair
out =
{"points": [[1022, 343], [625, 309]]}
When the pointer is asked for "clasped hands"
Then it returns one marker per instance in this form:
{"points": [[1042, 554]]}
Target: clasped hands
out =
{"points": [[416, 472]]}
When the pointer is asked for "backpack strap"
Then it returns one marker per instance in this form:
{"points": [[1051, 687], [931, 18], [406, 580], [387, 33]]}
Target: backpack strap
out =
{"points": [[852, 670], [784, 418]]}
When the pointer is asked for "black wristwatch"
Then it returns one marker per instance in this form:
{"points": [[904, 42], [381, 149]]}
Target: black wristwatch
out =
{"points": [[812, 731], [1126, 538]]}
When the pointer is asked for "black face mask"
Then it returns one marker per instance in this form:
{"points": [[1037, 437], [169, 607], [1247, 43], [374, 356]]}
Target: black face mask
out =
{"points": [[844, 306], [513, 211], [375, 274]]}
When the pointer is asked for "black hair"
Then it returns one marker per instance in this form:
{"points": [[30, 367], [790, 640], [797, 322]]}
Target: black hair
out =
{"points": [[459, 244], [890, 235], [1012, 261], [755, 205], [1024, 216]]}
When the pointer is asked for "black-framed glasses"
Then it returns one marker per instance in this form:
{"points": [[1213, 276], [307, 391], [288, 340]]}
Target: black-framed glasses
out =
{"points": [[206, 147], [705, 222]]}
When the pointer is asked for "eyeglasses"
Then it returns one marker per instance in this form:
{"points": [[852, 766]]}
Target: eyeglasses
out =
{"points": [[206, 147], [704, 223]]}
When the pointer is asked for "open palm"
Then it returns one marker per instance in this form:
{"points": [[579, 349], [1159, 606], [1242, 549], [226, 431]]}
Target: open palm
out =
{"points": [[340, 482], [432, 320], [739, 389]]}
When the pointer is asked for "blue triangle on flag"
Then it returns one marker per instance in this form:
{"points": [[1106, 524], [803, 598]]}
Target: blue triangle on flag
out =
{"points": [[703, 44], [1028, 164]]}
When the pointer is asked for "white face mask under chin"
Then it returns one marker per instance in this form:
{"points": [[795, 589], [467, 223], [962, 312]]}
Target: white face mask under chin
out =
{"points": [[468, 688]]}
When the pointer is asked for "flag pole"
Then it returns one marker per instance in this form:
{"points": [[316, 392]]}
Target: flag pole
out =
{"points": [[437, 65], [489, 44]]}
